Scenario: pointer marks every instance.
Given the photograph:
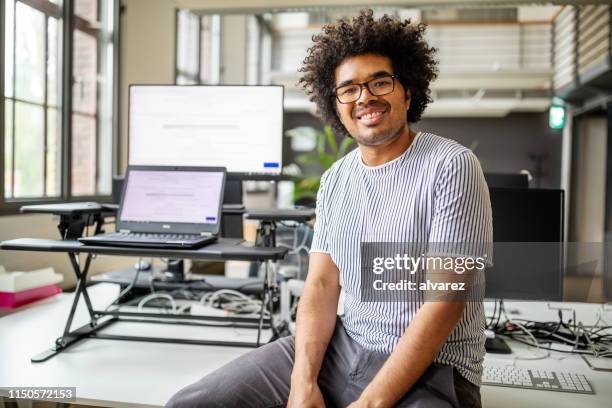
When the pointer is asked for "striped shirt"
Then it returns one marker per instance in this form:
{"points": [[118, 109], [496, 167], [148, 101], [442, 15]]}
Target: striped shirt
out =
{"points": [[434, 192]]}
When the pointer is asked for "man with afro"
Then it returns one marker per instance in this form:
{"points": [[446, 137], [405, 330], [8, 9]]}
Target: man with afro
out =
{"points": [[369, 78]]}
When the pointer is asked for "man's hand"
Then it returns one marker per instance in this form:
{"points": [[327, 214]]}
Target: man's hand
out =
{"points": [[419, 345], [362, 404], [368, 401], [305, 396]]}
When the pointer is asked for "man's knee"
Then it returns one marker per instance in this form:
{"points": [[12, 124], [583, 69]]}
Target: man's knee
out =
{"points": [[205, 392], [258, 378]]}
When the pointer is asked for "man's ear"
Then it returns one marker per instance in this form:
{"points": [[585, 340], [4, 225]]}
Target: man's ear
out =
{"points": [[408, 99]]}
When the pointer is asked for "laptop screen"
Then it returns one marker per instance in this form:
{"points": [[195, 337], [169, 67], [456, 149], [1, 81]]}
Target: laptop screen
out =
{"points": [[172, 199]]}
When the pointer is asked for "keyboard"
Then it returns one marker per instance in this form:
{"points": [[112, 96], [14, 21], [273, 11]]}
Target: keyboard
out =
{"points": [[509, 376], [149, 240]]}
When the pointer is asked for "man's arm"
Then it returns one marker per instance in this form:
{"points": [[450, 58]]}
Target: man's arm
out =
{"points": [[315, 323], [415, 351]]}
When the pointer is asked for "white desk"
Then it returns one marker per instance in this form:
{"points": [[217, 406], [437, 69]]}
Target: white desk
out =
{"points": [[109, 373], [502, 397], [139, 374]]}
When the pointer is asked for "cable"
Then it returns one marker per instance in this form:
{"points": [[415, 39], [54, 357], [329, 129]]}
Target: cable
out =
{"points": [[157, 296], [229, 292], [599, 313], [583, 339], [499, 313], [87, 225], [549, 348], [535, 342], [127, 289], [490, 324], [235, 302], [152, 283]]}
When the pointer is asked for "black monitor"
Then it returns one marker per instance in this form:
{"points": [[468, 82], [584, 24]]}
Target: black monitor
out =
{"points": [[528, 252], [503, 180]]}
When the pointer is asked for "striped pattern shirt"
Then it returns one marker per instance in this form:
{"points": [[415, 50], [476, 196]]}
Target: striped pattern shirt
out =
{"points": [[434, 192]]}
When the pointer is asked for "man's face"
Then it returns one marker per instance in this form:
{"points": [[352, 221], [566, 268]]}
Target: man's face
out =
{"points": [[372, 120]]}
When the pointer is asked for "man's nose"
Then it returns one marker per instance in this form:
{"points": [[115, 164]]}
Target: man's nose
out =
{"points": [[365, 96]]}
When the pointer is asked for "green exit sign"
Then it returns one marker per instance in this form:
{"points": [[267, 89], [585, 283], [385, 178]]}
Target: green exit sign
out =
{"points": [[556, 117]]}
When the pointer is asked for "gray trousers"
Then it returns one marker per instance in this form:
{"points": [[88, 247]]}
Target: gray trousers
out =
{"points": [[261, 379]]}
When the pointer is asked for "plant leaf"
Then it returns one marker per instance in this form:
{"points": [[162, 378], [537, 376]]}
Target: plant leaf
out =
{"points": [[346, 143], [306, 159], [326, 160], [320, 143], [301, 131], [331, 139]]}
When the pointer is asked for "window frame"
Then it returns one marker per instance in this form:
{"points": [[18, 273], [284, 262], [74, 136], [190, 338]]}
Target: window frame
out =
{"points": [[70, 22], [197, 77]]}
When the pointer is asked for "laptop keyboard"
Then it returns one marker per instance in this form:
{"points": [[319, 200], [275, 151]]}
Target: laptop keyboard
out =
{"points": [[136, 236]]}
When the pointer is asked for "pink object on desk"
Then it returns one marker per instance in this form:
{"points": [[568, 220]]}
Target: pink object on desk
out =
{"points": [[12, 300]]}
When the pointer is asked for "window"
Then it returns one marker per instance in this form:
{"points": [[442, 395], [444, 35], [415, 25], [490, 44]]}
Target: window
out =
{"points": [[198, 43], [58, 74]]}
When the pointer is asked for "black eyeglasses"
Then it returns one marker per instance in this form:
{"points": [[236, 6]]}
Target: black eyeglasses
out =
{"points": [[378, 87]]}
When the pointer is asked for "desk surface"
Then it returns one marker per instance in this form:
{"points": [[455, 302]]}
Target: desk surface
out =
{"points": [[154, 371], [223, 249], [151, 372]]}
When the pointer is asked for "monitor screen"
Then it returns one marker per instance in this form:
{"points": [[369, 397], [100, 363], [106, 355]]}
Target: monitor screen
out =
{"points": [[527, 215], [233, 126], [187, 197], [528, 251]]}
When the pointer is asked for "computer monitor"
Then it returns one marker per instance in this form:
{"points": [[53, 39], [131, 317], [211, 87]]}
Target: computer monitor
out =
{"points": [[239, 127], [504, 180], [528, 252]]}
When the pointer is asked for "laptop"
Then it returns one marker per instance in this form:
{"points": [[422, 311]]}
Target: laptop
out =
{"points": [[167, 207]]}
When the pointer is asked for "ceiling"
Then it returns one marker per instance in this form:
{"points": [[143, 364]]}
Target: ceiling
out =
{"points": [[251, 6]]}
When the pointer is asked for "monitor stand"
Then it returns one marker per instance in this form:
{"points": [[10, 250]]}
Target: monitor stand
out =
{"points": [[231, 224], [175, 271]]}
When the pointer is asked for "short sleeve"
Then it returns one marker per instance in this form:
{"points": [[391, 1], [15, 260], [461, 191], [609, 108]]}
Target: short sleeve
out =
{"points": [[321, 231], [462, 209]]}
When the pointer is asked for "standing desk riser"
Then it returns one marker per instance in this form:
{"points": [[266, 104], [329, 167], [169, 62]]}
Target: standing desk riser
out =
{"points": [[222, 250]]}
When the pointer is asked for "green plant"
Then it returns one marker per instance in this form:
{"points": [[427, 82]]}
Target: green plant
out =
{"points": [[311, 165]]}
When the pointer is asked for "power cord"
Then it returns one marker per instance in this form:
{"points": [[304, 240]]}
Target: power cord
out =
{"points": [[126, 290]]}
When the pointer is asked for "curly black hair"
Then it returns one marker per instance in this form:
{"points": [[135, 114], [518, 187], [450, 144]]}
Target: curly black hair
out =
{"points": [[411, 57]]}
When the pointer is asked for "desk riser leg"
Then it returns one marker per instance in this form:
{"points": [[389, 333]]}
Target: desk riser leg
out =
{"points": [[82, 277], [196, 323], [175, 340], [83, 332], [263, 305], [272, 285], [80, 289], [118, 313]]}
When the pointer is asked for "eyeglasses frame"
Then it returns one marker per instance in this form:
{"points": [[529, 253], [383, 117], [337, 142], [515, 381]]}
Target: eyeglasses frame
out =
{"points": [[366, 85]]}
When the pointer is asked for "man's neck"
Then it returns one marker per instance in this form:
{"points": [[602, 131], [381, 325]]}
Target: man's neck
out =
{"points": [[384, 153]]}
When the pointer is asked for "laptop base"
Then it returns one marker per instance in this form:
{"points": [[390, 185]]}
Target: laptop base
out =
{"points": [[130, 240]]}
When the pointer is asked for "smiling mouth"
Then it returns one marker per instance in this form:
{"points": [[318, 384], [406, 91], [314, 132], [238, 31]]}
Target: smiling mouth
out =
{"points": [[371, 118], [370, 115]]}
